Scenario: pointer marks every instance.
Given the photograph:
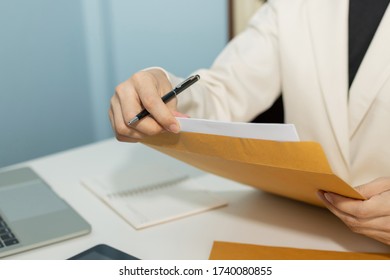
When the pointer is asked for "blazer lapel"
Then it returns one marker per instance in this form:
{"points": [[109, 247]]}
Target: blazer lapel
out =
{"points": [[372, 74], [329, 33]]}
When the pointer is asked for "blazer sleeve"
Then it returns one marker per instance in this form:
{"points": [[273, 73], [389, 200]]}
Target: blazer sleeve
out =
{"points": [[245, 78]]}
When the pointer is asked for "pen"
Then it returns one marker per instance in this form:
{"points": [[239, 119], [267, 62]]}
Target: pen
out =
{"points": [[178, 89]]}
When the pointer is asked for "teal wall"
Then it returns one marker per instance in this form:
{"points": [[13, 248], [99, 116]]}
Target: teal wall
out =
{"points": [[60, 61]]}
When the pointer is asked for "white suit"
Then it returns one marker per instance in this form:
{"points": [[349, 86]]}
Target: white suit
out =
{"points": [[300, 48]]}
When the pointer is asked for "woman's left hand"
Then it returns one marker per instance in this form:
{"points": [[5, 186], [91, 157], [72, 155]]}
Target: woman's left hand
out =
{"points": [[370, 217]]}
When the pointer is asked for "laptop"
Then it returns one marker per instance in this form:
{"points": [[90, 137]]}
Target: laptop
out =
{"points": [[32, 214]]}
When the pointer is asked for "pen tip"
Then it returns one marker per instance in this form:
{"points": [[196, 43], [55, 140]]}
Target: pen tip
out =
{"points": [[133, 120]]}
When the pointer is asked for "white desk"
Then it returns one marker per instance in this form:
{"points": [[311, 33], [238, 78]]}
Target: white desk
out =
{"points": [[251, 216]]}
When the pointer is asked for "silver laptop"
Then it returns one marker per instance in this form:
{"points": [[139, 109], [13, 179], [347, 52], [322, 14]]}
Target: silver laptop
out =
{"points": [[32, 214]]}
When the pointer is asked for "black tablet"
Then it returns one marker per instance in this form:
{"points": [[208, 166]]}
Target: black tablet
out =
{"points": [[103, 252]]}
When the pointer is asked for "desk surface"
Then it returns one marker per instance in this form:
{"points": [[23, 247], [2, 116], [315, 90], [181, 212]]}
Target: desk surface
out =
{"points": [[252, 216]]}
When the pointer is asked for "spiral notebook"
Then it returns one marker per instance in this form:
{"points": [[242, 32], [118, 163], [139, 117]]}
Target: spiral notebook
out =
{"points": [[146, 196]]}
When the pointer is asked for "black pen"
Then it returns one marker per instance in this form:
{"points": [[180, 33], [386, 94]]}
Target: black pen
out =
{"points": [[178, 89]]}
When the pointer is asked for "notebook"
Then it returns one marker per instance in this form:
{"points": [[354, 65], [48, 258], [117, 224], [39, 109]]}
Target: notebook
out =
{"points": [[32, 214], [149, 195]]}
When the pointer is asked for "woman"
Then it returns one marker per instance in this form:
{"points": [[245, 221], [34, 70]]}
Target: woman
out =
{"points": [[335, 81]]}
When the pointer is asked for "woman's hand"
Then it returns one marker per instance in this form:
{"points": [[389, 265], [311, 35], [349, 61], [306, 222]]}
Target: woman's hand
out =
{"points": [[143, 90], [370, 217]]}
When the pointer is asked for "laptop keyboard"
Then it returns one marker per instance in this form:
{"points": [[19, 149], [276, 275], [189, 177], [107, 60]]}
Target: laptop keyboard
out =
{"points": [[7, 238]]}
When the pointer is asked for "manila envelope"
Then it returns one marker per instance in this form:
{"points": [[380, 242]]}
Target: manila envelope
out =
{"points": [[239, 251], [295, 170]]}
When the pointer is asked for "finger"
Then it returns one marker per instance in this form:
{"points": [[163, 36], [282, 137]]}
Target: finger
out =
{"points": [[127, 98], [150, 96], [111, 118], [376, 206], [380, 236], [122, 131], [119, 137], [378, 229], [347, 205], [370, 226], [374, 187], [328, 203], [363, 225]]}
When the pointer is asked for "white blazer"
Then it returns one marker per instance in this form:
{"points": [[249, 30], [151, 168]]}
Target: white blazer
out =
{"points": [[300, 48]]}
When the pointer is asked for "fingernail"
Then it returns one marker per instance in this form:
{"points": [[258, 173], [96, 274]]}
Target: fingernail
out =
{"points": [[174, 128], [328, 197], [320, 195]]}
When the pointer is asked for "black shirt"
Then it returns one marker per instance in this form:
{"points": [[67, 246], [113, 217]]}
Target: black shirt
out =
{"points": [[364, 19]]}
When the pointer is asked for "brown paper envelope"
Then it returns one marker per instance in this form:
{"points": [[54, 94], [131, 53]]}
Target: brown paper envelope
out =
{"points": [[238, 251], [292, 169]]}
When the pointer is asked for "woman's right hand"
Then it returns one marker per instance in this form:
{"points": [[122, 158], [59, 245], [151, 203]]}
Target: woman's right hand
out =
{"points": [[143, 90]]}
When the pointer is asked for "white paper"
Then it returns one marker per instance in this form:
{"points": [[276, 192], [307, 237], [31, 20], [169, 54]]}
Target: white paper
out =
{"points": [[265, 131]]}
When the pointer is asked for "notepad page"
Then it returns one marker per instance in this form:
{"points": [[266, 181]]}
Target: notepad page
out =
{"points": [[136, 179], [163, 196]]}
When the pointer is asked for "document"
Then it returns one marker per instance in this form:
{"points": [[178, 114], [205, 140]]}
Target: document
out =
{"points": [[265, 131], [289, 168], [144, 200], [239, 251]]}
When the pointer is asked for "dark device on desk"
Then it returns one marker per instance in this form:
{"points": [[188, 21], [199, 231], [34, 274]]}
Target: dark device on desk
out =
{"points": [[32, 214], [103, 252]]}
